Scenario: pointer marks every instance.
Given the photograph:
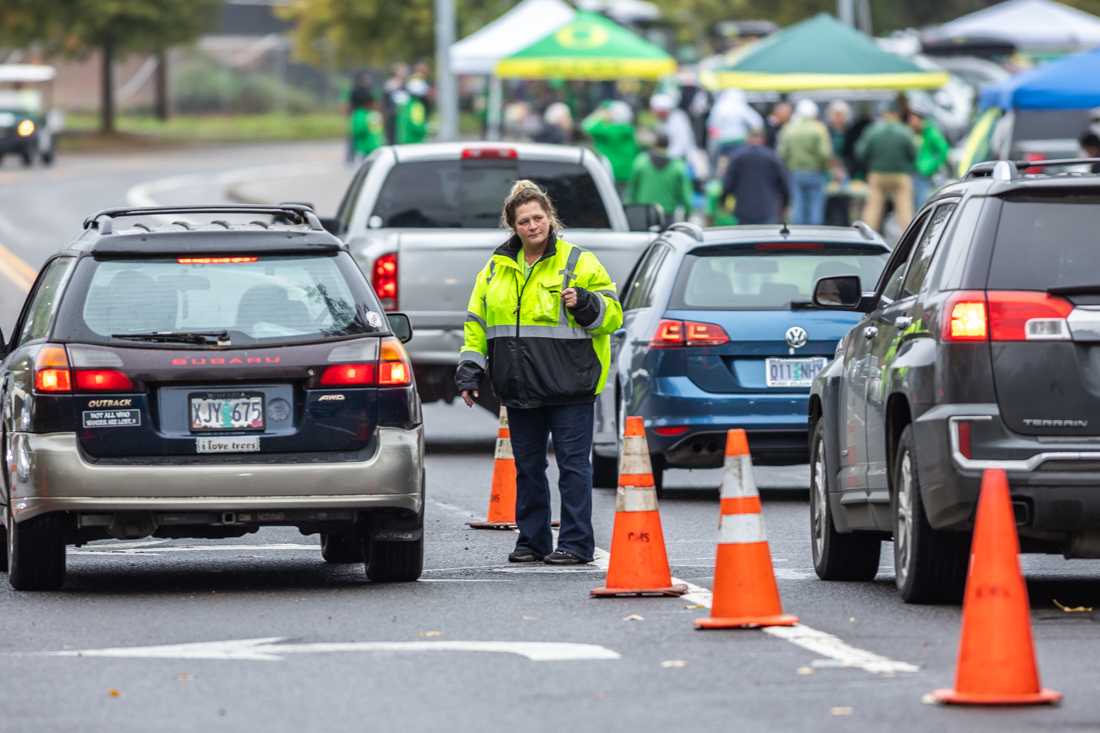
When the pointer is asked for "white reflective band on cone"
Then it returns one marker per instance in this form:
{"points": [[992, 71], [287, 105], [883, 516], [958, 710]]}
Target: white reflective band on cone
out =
{"points": [[631, 499], [503, 416], [504, 449], [737, 480], [635, 456], [741, 529]]}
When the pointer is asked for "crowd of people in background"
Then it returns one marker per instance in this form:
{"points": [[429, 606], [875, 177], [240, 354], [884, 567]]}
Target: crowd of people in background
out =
{"points": [[716, 159]]}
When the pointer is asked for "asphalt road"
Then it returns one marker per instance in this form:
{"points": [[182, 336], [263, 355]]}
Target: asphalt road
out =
{"points": [[335, 651]]}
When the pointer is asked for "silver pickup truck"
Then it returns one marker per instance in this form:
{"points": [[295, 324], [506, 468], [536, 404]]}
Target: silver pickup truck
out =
{"points": [[422, 220]]}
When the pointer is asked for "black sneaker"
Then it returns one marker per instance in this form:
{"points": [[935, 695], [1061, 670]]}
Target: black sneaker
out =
{"points": [[564, 557], [524, 554]]}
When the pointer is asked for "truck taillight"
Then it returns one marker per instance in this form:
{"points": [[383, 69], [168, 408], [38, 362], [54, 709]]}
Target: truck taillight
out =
{"points": [[489, 154], [384, 280], [1006, 315], [394, 367], [677, 334]]}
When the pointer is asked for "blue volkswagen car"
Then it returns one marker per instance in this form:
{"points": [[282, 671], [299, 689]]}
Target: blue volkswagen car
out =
{"points": [[719, 332]]}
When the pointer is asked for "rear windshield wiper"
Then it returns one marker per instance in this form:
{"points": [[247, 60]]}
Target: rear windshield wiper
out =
{"points": [[1075, 290], [220, 338]]}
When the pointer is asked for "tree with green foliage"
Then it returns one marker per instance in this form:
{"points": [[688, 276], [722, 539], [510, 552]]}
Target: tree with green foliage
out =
{"points": [[115, 28], [353, 33]]}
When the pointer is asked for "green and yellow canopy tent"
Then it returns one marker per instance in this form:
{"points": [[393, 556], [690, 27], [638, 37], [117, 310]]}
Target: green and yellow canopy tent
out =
{"points": [[590, 47], [820, 53]]}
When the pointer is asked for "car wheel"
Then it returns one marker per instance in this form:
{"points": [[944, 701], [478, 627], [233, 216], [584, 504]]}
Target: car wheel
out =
{"points": [[852, 556], [342, 548], [27, 157], [47, 157], [929, 566], [396, 562], [605, 471], [657, 462], [36, 553]]}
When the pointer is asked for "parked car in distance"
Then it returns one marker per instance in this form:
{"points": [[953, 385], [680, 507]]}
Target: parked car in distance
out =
{"points": [[28, 125], [977, 349], [1029, 135], [422, 220], [206, 378], [718, 333]]}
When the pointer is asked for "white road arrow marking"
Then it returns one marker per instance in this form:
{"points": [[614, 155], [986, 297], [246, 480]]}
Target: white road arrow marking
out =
{"points": [[270, 650]]}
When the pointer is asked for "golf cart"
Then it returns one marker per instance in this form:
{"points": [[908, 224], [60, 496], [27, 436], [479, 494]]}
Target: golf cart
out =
{"points": [[27, 122]]}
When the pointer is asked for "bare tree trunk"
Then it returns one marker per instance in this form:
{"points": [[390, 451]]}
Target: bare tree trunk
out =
{"points": [[160, 88], [107, 88]]}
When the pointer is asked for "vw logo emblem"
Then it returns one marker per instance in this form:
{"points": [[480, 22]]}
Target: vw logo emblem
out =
{"points": [[796, 337]]}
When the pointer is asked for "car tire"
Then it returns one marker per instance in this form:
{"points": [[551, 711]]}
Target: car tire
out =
{"points": [[27, 156], [342, 548], [605, 472], [836, 556], [36, 553], [657, 463], [929, 565], [47, 157], [396, 562]]}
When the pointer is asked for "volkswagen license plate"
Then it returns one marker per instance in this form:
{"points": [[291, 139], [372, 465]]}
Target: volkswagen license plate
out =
{"points": [[793, 372], [222, 411]]}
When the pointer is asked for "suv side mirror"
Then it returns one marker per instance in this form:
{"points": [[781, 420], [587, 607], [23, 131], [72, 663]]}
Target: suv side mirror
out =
{"points": [[401, 326], [645, 217], [843, 292]]}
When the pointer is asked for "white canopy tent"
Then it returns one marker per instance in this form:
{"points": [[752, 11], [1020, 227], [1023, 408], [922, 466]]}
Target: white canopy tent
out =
{"points": [[1032, 25], [527, 22], [479, 52]]}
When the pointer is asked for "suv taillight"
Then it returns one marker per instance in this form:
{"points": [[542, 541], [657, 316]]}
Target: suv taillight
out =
{"points": [[393, 369], [678, 334], [1006, 315], [53, 375], [384, 280]]}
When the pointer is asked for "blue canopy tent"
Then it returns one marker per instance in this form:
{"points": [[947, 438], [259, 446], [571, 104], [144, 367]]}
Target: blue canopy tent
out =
{"points": [[1069, 83]]}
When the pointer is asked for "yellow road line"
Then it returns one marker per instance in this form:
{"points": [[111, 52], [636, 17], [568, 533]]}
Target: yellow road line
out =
{"points": [[16, 270]]}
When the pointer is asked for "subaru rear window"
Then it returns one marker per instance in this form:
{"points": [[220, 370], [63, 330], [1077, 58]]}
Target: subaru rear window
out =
{"points": [[470, 193], [1047, 243], [249, 299], [751, 278]]}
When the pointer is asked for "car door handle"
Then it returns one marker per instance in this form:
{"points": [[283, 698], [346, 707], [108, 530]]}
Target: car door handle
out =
{"points": [[903, 321], [870, 332]]}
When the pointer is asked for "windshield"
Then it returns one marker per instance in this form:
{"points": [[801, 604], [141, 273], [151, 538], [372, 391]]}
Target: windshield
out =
{"points": [[1043, 244], [21, 100], [755, 278], [470, 193], [248, 299]]}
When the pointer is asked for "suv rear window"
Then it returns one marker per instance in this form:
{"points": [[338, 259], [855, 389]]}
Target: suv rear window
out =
{"points": [[262, 299], [757, 278], [1047, 243], [470, 193]]}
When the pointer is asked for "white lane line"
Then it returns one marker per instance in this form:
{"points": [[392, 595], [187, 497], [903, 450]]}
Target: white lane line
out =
{"points": [[154, 551], [270, 649], [463, 580]]}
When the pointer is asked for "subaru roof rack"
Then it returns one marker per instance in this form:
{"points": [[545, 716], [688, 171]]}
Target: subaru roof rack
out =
{"points": [[865, 230], [1009, 170], [295, 213], [686, 227]]}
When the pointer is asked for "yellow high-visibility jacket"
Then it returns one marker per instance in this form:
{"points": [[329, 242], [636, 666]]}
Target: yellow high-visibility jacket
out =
{"points": [[537, 351]]}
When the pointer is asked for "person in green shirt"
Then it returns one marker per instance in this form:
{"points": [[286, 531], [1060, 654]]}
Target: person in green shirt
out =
{"points": [[658, 179], [932, 150], [888, 150], [612, 132], [412, 114], [368, 129]]}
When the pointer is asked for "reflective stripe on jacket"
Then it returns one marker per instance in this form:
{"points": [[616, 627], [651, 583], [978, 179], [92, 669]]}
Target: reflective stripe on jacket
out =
{"points": [[537, 351]]}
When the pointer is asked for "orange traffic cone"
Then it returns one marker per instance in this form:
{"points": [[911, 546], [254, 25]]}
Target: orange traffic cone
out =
{"points": [[996, 654], [745, 594], [639, 563], [502, 494]]}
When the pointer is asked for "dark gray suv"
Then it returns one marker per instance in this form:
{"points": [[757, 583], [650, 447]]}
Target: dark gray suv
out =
{"points": [[979, 348]]}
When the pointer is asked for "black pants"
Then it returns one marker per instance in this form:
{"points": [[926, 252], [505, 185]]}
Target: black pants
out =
{"points": [[570, 426]]}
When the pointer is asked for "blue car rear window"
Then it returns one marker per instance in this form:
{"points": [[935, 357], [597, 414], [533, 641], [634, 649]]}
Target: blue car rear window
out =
{"points": [[749, 278]]}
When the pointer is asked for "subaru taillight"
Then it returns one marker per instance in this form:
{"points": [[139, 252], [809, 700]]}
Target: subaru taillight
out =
{"points": [[394, 367], [384, 280], [348, 375], [677, 334], [102, 380], [51, 370], [1006, 315]]}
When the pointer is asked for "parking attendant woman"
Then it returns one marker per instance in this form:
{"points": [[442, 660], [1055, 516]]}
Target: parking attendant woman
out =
{"points": [[539, 320]]}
